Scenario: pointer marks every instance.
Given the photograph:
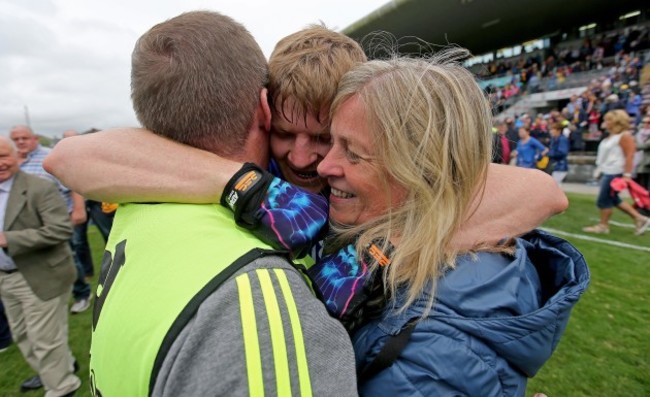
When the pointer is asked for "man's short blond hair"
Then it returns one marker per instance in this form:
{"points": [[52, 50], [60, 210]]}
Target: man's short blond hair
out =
{"points": [[307, 66]]}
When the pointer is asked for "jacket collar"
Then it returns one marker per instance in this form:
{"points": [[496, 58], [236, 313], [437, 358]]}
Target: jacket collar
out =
{"points": [[17, 199]]}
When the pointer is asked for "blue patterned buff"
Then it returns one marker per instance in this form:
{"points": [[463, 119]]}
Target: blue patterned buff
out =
{"points": [[345, 282], [291, 218], [340, 279]]}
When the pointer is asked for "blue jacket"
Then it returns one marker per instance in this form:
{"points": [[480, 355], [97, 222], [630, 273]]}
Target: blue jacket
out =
{"points": [[496, 320], [527, 153], [558, 152]]}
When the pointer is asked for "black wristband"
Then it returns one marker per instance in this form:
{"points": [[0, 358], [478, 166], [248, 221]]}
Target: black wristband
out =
{"points": [[245, 192]]}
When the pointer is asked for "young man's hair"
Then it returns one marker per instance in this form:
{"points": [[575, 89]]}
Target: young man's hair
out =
{"points": [[306, 67], [196, 79]]}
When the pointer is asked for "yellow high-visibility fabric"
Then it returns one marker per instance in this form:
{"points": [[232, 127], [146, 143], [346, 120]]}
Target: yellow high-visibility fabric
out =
{"points": [[170, 252]]}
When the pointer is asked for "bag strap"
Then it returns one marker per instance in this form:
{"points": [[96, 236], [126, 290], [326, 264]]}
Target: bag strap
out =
{"points": [[389, 352], [189, 311]]}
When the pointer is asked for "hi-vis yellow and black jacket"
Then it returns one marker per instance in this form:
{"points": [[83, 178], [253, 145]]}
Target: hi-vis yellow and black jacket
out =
{"points": [[189, 304]]}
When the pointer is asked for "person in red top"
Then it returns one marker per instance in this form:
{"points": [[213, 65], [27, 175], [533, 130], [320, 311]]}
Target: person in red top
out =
{"points": [[502, 145]]}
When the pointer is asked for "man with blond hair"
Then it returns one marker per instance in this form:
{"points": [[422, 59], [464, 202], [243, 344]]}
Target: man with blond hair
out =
{"points": [[304, 70]]}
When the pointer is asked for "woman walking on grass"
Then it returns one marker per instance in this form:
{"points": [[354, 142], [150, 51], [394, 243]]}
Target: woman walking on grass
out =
{"points": [[616, 159]]}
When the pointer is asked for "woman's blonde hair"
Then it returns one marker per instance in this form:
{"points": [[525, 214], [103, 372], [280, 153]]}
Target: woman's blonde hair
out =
{"points": [[432, 126], [619, 121]]}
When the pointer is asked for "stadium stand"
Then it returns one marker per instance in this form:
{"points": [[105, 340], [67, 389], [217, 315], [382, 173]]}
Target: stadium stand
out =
{"points": [[592, 57]]}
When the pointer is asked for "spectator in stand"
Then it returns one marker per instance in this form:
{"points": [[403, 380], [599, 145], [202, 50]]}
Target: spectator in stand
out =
{"points": [[643, 153], [598, 55], [539, 130], [567, 128], [540, 123], [529, 149], [594, 122], [633, 106], [526, 121], [612, 102], [558, 153], [587, 99], [615, 159], [579, 121], [512, 133], [501, 145], [534, 80], [574, 103]]}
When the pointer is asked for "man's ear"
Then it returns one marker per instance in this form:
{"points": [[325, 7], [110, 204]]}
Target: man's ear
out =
{"points": [[264, 110]]}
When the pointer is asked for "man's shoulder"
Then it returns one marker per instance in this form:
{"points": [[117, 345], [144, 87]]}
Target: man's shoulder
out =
{"points": [[272, 262], [36, 156], [41, 151]]}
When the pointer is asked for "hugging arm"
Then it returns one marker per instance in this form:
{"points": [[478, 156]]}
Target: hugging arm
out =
{"points": [[515, 200], [134, 165]]}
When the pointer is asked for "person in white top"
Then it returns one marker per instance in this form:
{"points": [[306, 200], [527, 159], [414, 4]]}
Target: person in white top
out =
{"points": [[616, 159]]}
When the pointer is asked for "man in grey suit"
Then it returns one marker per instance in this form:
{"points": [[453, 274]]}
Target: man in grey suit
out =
{"points": [[36, 272]]}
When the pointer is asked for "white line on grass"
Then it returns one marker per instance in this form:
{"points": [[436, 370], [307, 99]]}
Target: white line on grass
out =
{"points": [[615, 223], [598, 240]]}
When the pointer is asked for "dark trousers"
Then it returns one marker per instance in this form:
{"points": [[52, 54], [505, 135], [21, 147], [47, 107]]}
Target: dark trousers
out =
{"points": [[5, 334], [103, 221], [82, 249], [80, 288]]}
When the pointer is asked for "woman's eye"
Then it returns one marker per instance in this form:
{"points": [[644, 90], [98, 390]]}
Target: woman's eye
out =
{"points": [[353, 157]]}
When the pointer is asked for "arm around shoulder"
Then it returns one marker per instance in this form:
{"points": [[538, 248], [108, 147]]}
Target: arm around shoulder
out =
{"points": [[135, 165], [514, 201]]}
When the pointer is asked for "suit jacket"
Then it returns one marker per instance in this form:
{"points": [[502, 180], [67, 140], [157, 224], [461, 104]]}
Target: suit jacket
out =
{"points": [[38, 229]]}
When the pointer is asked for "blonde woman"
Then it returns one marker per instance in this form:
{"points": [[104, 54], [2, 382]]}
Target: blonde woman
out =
{"points": [[410, 148], [615, 159]]}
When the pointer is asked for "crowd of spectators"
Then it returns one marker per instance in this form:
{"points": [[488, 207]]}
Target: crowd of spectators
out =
{"points": [[590, 54], [580, 121], [581, 117], [611, 52]]}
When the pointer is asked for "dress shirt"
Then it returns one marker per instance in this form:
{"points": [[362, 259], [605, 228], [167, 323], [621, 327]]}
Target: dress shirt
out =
{"points": [[6, 263], [33, 164]]}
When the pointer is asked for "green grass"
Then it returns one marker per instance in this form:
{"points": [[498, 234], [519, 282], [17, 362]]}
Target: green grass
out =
{"points": [[604, 352], [606, 348]]}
